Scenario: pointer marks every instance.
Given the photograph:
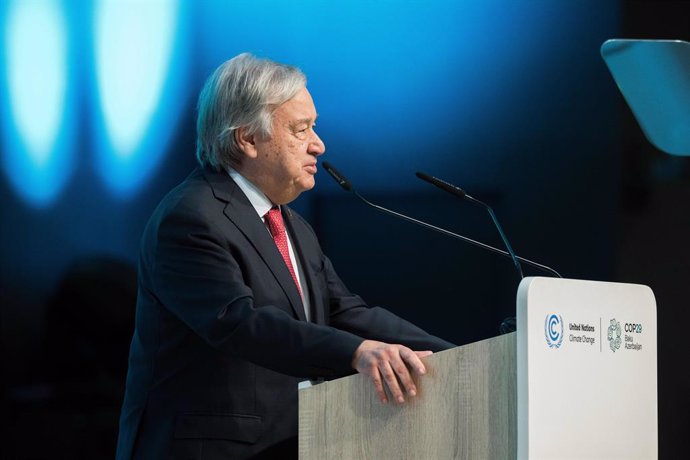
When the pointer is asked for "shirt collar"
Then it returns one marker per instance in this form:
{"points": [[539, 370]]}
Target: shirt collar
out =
{"points": [[257, 198]]}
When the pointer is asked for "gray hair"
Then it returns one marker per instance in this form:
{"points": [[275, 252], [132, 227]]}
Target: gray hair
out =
{"points": [[241, 92]]}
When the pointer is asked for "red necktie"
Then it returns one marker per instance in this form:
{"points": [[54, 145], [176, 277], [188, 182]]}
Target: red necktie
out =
{"points": [[276, 226]]}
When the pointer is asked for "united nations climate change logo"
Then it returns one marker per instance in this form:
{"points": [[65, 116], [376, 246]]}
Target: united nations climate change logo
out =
{"points": [[553, 330], [614, 335]]}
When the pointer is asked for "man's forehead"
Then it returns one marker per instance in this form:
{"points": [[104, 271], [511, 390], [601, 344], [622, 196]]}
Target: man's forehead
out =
{"points": [[299, 109]]}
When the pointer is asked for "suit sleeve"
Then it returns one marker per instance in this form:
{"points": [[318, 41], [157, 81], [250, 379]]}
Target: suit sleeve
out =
{"points": [[196, 277]]}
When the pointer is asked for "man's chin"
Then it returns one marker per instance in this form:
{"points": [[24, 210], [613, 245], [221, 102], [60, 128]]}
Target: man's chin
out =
{"points": [[307, 184], [292, 194]]}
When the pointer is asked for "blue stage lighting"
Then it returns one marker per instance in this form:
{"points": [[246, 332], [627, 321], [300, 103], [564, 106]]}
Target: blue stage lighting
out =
{"points": [[37, 115], [138, 66], [397, 84]]}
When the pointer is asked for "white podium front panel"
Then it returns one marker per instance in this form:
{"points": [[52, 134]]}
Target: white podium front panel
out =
{"points": [[586, 370]]}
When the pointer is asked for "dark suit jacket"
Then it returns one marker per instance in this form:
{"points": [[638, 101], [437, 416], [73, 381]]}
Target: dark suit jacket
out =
{"points": [[221, 340]]}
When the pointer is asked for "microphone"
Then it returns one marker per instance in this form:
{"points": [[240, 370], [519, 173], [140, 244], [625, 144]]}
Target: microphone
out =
{"points": [[457, 191], [339, 178], [447, 186], [347, 186]]}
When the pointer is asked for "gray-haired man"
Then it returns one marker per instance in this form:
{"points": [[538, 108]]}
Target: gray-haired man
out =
{"points": [[237, 303]]}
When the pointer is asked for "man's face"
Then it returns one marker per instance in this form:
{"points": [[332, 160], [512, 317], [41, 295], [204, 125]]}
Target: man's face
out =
{"points": [[285, 162]]}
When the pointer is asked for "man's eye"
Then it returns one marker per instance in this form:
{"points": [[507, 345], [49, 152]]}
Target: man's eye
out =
{"points": [[305, 129]]}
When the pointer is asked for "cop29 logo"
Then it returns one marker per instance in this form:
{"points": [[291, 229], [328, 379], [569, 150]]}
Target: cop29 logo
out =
{"points": [[614, 335], [553, 330]]}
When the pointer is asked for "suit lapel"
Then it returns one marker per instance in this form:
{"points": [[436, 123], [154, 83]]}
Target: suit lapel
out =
{"points": [[240, 211], [305, 252]]}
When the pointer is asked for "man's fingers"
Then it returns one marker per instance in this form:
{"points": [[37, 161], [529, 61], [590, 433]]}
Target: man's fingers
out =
{"points": [[390, 364], [378, 385], [391, 381], [404, 376], [412, 359]]}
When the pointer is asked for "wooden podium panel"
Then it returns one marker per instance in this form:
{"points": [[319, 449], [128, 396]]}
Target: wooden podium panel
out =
{"points": [[465, 409]]}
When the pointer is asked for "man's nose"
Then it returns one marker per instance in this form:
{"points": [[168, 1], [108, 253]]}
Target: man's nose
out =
{"points": [[316, 145]]}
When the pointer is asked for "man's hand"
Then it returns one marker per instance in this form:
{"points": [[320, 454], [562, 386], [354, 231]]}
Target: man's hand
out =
{"points": [[390, 363]]}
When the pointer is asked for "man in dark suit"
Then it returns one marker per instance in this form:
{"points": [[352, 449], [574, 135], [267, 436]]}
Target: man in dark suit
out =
{"points": [[237, 303]]}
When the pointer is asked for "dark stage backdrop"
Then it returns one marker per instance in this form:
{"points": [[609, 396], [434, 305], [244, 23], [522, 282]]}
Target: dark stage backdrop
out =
{"points": [[509, 99]]}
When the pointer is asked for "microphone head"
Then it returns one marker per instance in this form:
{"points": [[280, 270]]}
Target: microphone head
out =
{"points": [[339, 178], [425, 177], [443, 185]]}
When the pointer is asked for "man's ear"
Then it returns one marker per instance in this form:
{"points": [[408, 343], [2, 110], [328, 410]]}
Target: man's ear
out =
{"points": [[245, 142]]}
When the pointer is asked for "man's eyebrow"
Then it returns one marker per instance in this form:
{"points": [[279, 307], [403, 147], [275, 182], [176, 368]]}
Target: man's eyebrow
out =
{"points": [[304, 120]]}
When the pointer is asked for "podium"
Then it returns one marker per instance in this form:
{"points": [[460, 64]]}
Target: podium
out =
{"points": [[577, 380]]}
